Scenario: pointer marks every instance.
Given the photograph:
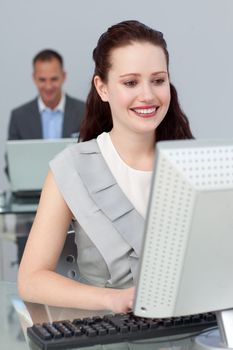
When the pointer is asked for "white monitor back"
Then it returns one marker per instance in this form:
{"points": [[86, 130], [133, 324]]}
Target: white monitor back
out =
{"points": [[187, 256]]}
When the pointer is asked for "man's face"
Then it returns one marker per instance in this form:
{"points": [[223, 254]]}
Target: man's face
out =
{"points": [[49, 77]]}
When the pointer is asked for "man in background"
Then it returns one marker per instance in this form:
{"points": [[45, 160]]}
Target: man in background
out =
{"points": [[53, 114]]}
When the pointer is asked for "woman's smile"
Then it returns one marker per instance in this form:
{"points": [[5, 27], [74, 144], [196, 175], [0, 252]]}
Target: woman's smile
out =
{"points": [[145, 111]]}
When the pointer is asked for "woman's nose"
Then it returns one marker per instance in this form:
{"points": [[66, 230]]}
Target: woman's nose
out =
{"points": [[146, 93]]}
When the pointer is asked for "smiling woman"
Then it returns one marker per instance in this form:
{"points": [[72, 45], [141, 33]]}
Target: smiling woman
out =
{"points": [[102, 184], [134, 96]]}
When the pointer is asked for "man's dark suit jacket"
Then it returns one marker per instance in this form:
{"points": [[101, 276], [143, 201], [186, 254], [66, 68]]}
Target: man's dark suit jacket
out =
{"points": [[25, 121]]}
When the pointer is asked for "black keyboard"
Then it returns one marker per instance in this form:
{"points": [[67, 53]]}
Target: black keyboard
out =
{"points": [[114, 329], [28, 197], [27, 194]]}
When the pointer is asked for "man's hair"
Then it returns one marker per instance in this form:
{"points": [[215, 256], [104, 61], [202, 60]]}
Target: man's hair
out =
{"points": [[47, 55]]}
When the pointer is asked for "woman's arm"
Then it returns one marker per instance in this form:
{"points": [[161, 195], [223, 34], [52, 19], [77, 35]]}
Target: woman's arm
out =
{"points": [[37, 281]]}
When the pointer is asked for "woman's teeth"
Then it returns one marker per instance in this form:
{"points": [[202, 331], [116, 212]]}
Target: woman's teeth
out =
{"points": [[145, 110]]}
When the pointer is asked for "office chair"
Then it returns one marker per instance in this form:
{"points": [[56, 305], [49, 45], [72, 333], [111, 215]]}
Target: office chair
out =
{"points": [[67, 264]]}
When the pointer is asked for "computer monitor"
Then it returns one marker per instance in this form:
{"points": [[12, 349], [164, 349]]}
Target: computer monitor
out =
{"points": [[28, 162], [187, 254]]}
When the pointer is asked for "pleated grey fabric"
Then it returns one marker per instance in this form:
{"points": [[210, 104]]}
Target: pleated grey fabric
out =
{"points": [[108, 228]]}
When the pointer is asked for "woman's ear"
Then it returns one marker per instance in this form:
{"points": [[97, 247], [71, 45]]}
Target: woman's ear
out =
{"points": [[101, 88]]}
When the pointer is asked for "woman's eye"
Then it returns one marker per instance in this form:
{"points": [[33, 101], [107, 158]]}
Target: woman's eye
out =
{"points": [[130, 83], [158, 81]]}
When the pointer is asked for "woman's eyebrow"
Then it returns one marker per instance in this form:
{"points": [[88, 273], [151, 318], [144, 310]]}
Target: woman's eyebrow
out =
{"points": [[137, 74]]}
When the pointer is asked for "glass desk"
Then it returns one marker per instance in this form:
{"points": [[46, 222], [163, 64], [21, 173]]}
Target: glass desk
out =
{"points": [[9, 204], [16, 217], [16, 316]]}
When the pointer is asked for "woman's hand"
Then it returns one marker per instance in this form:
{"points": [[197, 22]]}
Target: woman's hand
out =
{"points": [[120, 300]]}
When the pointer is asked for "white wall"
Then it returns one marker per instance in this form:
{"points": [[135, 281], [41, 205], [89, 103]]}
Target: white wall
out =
{"points": [[198, 33]]}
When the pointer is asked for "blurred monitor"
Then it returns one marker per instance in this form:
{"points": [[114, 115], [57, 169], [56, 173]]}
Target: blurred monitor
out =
{"points": [[28, 163]]}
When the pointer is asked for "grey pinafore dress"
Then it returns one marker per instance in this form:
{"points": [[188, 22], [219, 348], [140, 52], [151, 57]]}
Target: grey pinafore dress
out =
{"points": [[108, 228]]}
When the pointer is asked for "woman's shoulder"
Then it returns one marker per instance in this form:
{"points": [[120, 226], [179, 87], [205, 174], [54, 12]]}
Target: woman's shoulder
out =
{"points": [[74, 151], [78, 148], [84, 147]]}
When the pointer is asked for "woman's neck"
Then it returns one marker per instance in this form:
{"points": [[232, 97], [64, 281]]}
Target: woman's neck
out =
{"points": [[136, 150]]}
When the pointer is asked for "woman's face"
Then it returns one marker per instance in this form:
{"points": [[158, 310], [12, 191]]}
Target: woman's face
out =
{"points": [[137, 88]]}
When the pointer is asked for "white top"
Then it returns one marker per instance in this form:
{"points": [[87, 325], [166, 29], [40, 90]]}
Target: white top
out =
{"points": [[134, 183]]}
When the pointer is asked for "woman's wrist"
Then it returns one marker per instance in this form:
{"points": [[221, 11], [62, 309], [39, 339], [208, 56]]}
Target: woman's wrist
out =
{"points": [[118, 300], [108, 298]]}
